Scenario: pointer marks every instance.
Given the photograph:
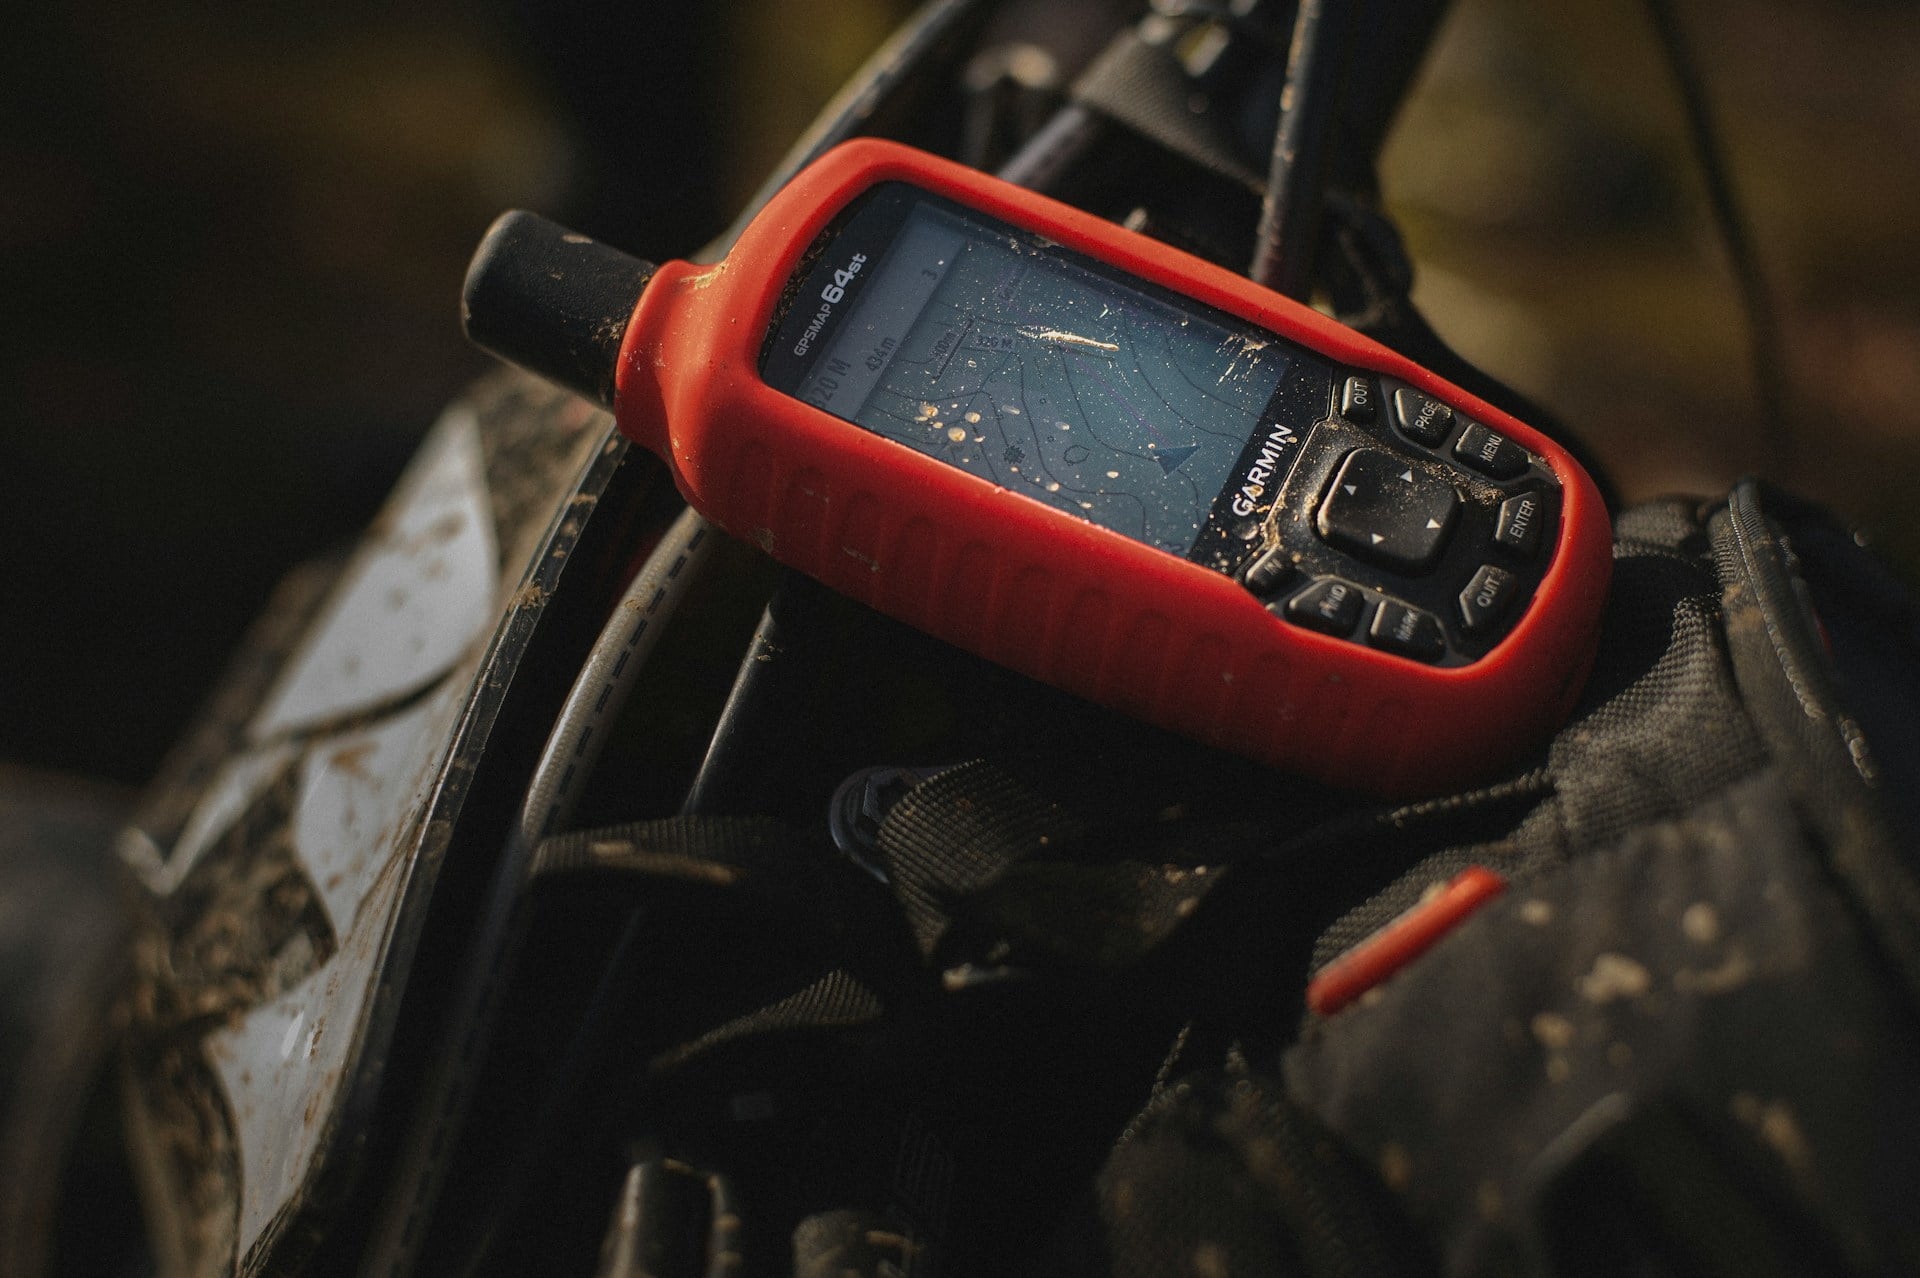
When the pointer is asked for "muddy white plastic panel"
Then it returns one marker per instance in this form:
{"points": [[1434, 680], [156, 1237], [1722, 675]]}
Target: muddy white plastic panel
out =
{"points": [[416, 597]]}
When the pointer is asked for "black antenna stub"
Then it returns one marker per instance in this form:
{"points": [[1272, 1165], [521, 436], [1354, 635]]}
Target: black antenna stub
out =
{"points": [[553, 301]]}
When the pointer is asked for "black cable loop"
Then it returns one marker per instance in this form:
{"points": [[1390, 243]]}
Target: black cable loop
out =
{"points": [[1765, 348]]}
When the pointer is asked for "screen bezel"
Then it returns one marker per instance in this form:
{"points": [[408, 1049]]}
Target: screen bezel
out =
{"points": [[869, 226]]}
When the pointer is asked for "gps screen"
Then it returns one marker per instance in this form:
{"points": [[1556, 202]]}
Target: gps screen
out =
{"points": [[1030, 366]]}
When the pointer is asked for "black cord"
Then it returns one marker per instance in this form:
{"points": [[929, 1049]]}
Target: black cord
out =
{"points": [[1290, 212], [1763, 324]]}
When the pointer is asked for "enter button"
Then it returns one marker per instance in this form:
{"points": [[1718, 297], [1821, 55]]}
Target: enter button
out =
{"points": [[1518, 525], [1487, 596]]}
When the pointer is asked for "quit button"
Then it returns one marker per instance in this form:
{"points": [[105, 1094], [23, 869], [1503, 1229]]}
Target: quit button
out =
{"points": [[1487, 597]]}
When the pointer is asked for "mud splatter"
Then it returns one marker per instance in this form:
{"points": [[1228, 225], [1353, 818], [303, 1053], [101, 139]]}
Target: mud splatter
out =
{"points": [[1700, 923], [1396, 1167], [1614, 976], [1733, 972]]}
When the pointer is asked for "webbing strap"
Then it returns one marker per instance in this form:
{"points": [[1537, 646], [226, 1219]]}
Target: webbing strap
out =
{"points": [[777, 872], [778, 868], [1785, 671], [712, 849], [834, 1000], [1061, 864], [1144, 87], [1086, 863], [1224, 1173], [960, 831]]}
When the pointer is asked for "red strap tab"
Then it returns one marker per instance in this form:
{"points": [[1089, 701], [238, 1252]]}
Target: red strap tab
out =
{"points": [[1401, 941]]}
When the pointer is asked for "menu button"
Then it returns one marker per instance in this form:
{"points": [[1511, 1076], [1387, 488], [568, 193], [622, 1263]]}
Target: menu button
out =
{"points": [[1490, 454]]}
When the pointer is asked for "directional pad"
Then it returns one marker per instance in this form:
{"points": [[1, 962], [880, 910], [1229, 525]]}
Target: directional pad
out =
{"points": [[1382, 509]]}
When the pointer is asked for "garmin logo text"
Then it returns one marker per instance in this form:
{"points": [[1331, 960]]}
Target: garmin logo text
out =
{"points": [[1260, 473], [830, 296]]}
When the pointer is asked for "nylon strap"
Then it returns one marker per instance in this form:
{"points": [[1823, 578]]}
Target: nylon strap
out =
{"points": [[1144, 87]]}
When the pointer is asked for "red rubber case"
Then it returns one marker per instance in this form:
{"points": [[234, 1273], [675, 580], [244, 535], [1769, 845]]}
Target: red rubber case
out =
{"points": [[1063, 600]]}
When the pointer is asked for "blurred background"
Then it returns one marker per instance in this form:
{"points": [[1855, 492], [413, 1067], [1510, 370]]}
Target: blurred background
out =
{"points": [[232, 236]]}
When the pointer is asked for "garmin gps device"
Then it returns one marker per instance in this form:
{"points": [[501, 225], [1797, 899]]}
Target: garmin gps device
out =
{"points": [[1092, 458]]}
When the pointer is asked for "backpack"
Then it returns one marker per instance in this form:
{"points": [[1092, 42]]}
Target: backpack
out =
{"points": [[1084, 1026]]}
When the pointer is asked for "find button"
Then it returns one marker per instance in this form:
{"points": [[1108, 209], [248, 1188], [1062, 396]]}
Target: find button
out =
{"points": [[1329, 605], [1487, 596]]}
